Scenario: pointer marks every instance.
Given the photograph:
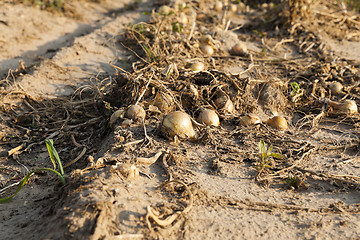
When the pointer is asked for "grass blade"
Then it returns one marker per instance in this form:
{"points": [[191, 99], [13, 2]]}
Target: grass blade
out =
{"points": [[54, 156], [26, 178]]}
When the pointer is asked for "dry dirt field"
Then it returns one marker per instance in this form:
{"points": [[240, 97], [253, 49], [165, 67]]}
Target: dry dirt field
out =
{"points": [[70, 72]]}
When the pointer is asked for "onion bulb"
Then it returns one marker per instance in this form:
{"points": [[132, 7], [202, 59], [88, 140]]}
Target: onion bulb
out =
{"points": [[164, 102], [347, 106], [135, 112], [207, 49], [278, 123], [209, 118], [119, 114], [197, 66], [183, 18], [249, 119], [336, 88], [129, 171], [239, 49], [233, 7], [178, 124], [218, 6], [225, 104], [164, 10]]}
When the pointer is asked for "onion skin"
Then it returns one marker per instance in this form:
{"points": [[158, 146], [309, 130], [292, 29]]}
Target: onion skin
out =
{"points": [[346, 107], [178, 124], [135, 112], [278, 123], [209, 118]]}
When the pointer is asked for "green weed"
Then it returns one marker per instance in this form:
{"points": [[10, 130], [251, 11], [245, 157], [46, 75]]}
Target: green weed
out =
{"points": [[296, 92], [265, 158], [293, 182], [55, 159]]}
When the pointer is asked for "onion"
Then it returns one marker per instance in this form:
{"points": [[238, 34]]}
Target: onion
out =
{"points": [[126, 123], [233, 8], [164, 10], [209, 118], [278, 123], [239, 49], [207, 49], [249, 119], [135, 112], [129, 171], [197, 67], [183, 18], [164, 102], [178, 124], [218, 6], [119, 114], [347, 106], [225, 104], [336, 88]]}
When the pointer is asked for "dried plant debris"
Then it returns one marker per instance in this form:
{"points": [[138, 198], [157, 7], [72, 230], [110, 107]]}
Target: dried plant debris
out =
{"points": [[210, 97]]}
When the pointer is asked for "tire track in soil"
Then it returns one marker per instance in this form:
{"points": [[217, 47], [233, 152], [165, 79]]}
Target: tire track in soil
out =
{"points": [[59, 66]]}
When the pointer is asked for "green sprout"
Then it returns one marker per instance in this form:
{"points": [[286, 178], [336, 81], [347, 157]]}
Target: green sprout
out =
{"points": [[265, 158], [293, 182], [55, 159], [296, 91], [177, 27]]}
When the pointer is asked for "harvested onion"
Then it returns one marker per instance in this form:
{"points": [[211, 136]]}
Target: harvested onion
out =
{"points": [[233, 7], [207, 49], [218, 6], [163, 102], [209, 118], [225, 104], [135, 112], [164, 10], [119, 114], [129, 171], [239, 49], [278, 123], [336, 88], [347, 106], [178, 124], [249, 119], [183, 18], [197, 67]]}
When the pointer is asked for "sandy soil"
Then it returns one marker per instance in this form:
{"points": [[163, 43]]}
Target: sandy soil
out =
{"points": [[212, 190]]}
